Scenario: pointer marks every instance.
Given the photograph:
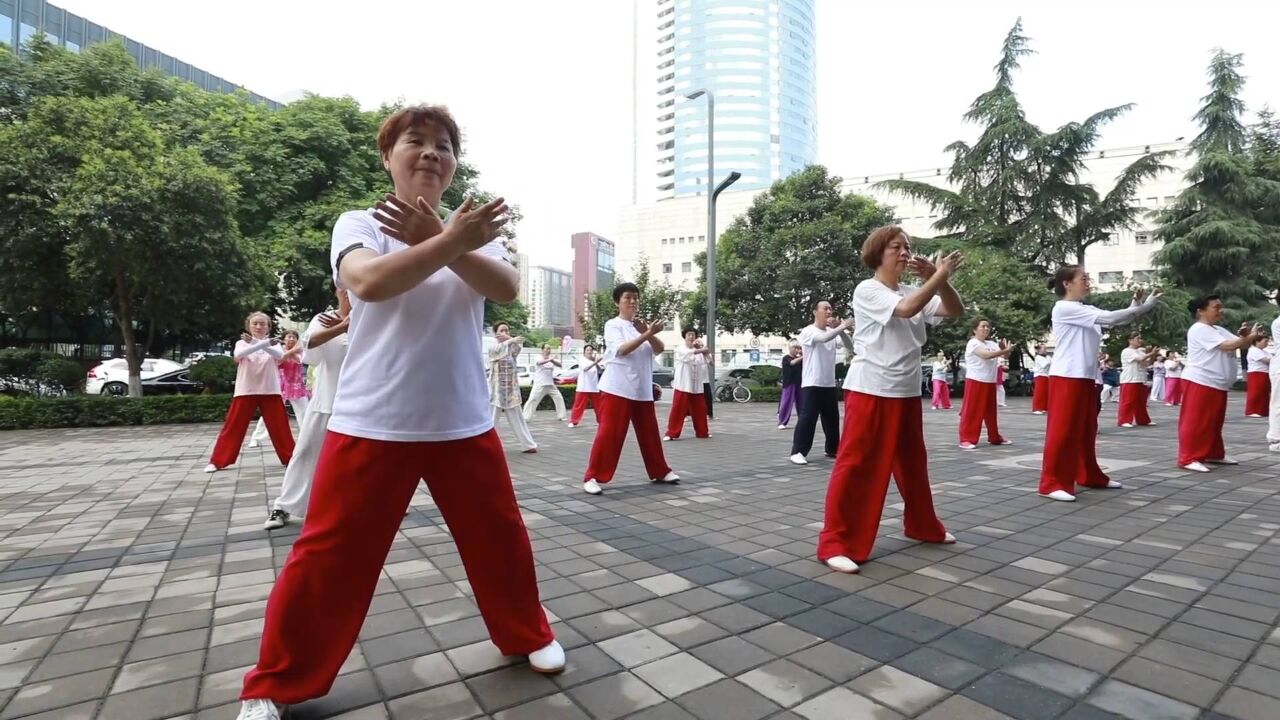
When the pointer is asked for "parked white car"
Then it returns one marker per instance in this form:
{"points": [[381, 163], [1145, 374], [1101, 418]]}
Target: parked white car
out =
{"points": [[112, 376]]}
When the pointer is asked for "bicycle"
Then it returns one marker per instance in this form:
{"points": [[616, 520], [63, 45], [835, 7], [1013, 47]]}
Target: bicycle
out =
{"points": [[733, 389]]}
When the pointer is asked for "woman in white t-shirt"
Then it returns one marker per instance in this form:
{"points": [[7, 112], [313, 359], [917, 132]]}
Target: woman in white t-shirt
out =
{"points": [[1071, 433], [411, 405], [1134, 361], [257, 357], [587, 388], [1157, 378], [883, 423], [1258, 380], [324, 347], [1173, 379], [544, 384], [627, 395], [1040, 390], [981, 359], [504, 385], [940, 370], [687, 397], [1211, 371]]}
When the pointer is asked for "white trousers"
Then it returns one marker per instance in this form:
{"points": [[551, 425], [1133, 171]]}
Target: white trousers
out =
{"points": [[299, 412], [1273, 419], [1000, 396], [1157, 387], [519, 427], [535, 397], [1110, 393], [295, 492]]}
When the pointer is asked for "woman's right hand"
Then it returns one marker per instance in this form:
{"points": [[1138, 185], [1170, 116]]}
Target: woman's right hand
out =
{"points": [[246, 337], [477, 227]]}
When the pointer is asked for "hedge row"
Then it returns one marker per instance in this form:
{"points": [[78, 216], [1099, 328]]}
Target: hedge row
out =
{"points": [[104, 411]]}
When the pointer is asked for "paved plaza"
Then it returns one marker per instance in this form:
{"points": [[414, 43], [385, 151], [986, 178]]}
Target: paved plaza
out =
{"points": [[133, 586]]}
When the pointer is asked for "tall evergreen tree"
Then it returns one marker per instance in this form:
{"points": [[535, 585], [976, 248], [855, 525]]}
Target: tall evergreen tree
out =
{"points": [[1018, 189], [1216, 238]]}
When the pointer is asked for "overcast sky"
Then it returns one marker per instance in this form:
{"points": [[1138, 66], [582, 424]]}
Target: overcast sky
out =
{"points": [[543, 89]]}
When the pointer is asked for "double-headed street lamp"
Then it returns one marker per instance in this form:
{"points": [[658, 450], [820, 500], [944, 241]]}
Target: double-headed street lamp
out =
{"points": [[713, 192]]}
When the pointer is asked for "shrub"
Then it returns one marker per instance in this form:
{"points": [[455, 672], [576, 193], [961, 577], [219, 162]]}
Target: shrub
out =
{"points": [[547, 403], [217, 373], [103, 411], [59, 373], [766, 375]]}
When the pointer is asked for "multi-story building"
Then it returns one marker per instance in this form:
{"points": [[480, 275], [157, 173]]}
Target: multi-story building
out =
{"points": [[593, 263], [669, 233], [551, 300], [20, 20], [758, 59], [522, 264]]}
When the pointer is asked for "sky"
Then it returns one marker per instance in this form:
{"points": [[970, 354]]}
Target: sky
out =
{"points": [[543, 90]]}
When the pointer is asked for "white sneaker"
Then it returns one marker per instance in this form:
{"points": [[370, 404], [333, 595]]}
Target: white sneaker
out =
{"points": [[1196, 467], [842, 564], [1037, 412], [1274, 447], [666, 438], [549, 660], [782, 427], [968, 446], [591, 487], [948, 539], [1255, 415], [1114, 485], [1006, 441], [258, 710], [1228, 460], [1060, 495], [1127, 425], [670, 478], [211, 468], [276, 520], [254, 444], [572, 425], [798, 459]]}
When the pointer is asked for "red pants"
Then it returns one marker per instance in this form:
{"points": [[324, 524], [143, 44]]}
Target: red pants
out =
{"points": [[1173, 389], [580, 402], [614, 415], [683, 403], [227, 449], [882, 437], [1071, 436], [1133, 404], [1257, 398], [361, 489], [979, 407], [1040, 394], [1204, 410], [941, 395]]}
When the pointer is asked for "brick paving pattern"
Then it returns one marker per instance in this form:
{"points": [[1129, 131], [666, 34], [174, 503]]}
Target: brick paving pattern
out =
{"points": [[132, 585]]}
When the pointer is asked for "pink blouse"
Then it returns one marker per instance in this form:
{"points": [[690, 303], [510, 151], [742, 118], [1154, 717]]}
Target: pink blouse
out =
{"points": [[293, 380], [256, 371]]}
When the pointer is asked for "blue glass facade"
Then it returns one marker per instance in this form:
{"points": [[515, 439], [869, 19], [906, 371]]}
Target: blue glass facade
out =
{"points": [[22, 19], [758, 58]]}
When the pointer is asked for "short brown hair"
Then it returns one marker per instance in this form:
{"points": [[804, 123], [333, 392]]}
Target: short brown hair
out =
{"points": [[400, 121], [879, 239], [1064, 275]]}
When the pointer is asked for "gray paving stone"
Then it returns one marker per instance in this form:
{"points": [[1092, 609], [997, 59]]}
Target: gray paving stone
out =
{"points": [[1138, 704], [615, 696], [1017, 698], [728, 700]]}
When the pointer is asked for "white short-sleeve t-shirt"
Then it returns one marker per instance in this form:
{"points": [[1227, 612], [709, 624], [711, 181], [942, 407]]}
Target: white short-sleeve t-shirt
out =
{"points": [[690, 370], [588, 377], [819, 368], [628, 376], [1042, 365], [414, 369], [886, 348], [1259, 360], [543, 373], [977, 368], [327, 360], [1206, 364], [1078, 338], [1131, 368]]}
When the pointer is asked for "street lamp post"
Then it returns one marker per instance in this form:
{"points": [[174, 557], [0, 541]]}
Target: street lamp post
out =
{"points": [[713, 192]]}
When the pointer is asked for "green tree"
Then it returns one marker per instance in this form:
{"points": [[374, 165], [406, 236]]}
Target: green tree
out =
{"points": [[1018, 189], [800, 242], [659, 300], [1215, 236], [514, 314]]}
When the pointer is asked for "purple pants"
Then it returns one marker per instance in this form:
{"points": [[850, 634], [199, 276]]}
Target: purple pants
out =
{"points": [[790, 399]]}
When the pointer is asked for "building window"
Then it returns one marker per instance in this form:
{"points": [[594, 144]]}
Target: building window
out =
{"points": [[664, 241], [1111, 240], [666, 268], [1113, 277], [702, 238], [1144, 275], [1142, 238], [686, 267]]}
